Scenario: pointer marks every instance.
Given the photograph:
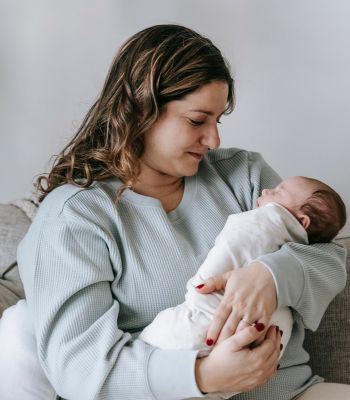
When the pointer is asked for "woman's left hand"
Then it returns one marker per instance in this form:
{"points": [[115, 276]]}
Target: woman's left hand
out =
{"points": [[250, 295]]}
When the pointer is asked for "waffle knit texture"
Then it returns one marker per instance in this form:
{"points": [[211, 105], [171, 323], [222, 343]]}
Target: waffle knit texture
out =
{"points": [[95, 275]]}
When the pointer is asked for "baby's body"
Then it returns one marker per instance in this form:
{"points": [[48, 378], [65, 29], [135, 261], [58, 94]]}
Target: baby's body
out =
{"points": [[281, 216], [244, 238]]}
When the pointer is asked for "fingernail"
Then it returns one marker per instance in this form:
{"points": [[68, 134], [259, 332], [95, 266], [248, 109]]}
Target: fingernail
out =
{"points": [[259, 326], [200, 286], [278, 366], [281, 346], [210, 342], [277, 329], [281, 332]]}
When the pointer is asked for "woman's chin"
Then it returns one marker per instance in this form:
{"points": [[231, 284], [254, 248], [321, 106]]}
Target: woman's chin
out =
{"points": [[186, 168], [190, 171]]}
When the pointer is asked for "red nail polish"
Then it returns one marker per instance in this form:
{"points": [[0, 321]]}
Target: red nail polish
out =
{"points": [[277, 329], [259, 326], [200, 286], [210, 342], [278, 366], [281, 332], [281, 346]]}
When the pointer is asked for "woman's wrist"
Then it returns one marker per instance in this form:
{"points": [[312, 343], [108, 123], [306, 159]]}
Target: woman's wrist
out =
{"points": [[202, 375]]}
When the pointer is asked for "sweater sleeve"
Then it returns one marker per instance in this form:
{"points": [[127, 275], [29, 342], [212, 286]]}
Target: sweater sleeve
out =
{"points": [[67, 274], [307, 277]]}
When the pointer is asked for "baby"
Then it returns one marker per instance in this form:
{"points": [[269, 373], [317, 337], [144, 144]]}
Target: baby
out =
{"points": [[299, 209]]}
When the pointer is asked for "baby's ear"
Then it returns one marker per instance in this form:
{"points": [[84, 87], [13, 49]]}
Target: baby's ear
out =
{"points": [[304, 220]]}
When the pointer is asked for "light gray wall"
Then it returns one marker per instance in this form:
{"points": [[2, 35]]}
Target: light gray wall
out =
{"points": [[290, 59]]}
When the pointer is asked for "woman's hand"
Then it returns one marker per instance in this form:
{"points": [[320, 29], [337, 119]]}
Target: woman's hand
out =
{"points": [[234, 367], [250, 293]]}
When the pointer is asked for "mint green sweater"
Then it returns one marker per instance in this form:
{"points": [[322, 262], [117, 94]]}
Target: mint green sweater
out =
{"points": [[96, 275]]}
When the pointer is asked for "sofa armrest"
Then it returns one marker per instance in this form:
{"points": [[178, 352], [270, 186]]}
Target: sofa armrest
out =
{"points": [[13, 225]]}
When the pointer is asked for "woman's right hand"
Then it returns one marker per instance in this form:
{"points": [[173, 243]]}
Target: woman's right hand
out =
{"points": [[234, 367]]}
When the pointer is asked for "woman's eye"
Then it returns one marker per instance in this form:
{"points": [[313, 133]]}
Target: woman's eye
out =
{"points": [[195, 122]]}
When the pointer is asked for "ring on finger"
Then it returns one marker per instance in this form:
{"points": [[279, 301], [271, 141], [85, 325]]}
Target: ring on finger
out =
{"points": [[247, 321]]}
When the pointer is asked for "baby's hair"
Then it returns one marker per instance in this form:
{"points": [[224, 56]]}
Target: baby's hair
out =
{"points": [[326, 210]]}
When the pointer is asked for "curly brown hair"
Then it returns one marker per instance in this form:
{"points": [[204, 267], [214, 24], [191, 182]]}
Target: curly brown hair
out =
{"points": [[155, 66]]}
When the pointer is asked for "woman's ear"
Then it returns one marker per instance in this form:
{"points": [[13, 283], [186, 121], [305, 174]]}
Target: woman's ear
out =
{"points": [[304, 220]]}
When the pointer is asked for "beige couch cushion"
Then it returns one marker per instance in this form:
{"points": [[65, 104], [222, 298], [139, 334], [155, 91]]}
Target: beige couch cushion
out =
{"points": [[329, 346]]}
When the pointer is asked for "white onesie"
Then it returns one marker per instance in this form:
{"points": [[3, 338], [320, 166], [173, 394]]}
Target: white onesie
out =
{"points": [[244, 237]]}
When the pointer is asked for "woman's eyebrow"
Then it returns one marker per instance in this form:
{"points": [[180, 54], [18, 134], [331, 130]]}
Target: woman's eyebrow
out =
{"points": [[204, 112], [207, 112]]}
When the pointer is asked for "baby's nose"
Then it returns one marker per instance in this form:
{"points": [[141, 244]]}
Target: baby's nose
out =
{"points": [[265, 192]]}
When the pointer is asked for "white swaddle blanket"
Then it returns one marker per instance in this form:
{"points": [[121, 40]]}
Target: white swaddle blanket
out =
{"points": [[244, 237]]}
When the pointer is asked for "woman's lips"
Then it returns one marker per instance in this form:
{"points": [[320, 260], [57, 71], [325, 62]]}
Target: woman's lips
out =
{"points": [[197, 156]]}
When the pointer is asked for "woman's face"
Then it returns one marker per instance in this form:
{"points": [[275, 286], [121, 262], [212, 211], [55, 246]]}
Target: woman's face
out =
{"points": [[184, 132]]}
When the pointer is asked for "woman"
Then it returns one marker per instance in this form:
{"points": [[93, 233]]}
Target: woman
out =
{"points": [[131, 208]]}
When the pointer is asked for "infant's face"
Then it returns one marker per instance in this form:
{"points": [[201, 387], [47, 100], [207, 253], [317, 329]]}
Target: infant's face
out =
{"points": [[290, 193]]}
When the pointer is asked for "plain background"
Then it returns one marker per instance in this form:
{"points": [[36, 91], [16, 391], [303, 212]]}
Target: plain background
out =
{"points": [[290, 60]]}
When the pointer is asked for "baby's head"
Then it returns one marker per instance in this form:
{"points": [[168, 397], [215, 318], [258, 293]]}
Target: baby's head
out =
{"points": [[318, 207]]}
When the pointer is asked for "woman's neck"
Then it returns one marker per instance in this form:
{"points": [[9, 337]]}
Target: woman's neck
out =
{"points": [[167, 189]]}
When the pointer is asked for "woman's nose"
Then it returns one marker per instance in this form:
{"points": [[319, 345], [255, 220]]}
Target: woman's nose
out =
{"points": [[211, 138]]}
